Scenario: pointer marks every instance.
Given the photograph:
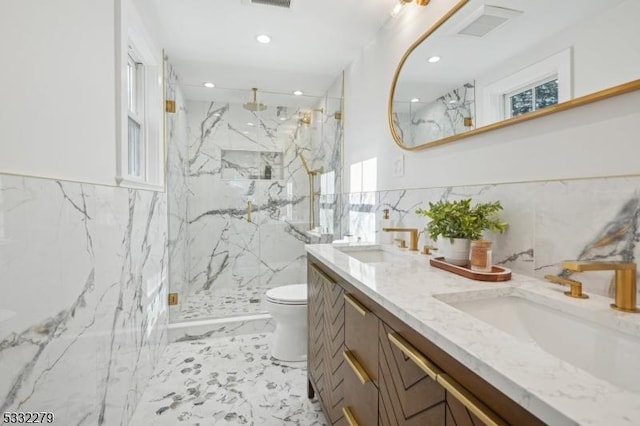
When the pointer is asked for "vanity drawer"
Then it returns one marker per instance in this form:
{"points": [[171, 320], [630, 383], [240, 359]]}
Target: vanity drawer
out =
{"points": [[360, 394], [360, 332], [409, 391]]}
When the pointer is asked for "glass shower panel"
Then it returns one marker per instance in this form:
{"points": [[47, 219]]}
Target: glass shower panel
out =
{"points": [[244, 198]]}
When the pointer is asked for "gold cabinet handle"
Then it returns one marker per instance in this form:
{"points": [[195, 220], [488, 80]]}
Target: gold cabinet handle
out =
{"points": [[356, 367], [356, 305], [349, 416], [472, 403], [415, 356], [249, 208]]}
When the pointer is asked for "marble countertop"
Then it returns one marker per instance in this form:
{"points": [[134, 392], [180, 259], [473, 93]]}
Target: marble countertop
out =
{"points": [[556, 391]]}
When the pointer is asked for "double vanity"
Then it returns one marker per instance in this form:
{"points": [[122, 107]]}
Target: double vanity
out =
{"points": [[393, 340]]}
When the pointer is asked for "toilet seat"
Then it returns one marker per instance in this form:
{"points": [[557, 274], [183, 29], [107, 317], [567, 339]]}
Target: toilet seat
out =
{"points": [[295, 294]]}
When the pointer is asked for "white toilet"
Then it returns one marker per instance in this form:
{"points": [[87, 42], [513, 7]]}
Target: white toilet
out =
{"points": [[288, 307]]}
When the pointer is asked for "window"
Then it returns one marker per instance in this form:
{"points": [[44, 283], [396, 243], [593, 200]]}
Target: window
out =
{"points": [[362, 199], [141, 135], [539, 85], [532, 98], [327, 201], [135, 115]]}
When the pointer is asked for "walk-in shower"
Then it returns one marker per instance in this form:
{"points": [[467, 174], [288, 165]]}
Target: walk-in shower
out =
{"points": [[227, 159]]}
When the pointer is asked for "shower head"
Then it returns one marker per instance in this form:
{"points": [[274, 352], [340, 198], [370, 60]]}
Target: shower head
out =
{"points": [[254, 105]]}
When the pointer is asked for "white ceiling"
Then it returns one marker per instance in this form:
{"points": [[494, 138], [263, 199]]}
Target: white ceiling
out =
{"points": [[312, 42]]}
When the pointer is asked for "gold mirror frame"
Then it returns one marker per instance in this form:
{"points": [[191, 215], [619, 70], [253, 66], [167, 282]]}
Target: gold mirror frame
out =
{"points": [[582, 100]]}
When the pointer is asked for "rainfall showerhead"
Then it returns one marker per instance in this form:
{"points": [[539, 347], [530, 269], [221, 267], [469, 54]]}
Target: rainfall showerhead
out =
{"points": [[254, 105]]}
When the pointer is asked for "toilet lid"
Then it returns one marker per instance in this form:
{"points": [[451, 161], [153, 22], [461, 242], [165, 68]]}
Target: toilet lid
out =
{"points": [[295, 294]]}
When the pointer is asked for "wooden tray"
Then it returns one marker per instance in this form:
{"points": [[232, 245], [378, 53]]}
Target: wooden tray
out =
{"points": [[497, 273]]}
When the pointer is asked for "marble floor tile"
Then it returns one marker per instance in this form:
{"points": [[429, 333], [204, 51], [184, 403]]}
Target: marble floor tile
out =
{"points": [[227, 381], [222, 303]]}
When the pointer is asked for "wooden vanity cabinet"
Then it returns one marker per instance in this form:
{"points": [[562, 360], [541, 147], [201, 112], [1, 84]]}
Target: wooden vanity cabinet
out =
{"points": [[360, 329], [409, 380], [361, 378], [325, 356], [408, 394]]}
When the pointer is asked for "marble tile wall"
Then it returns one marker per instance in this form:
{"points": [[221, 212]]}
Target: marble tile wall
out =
{"points": [[233, 261], [83, 273], [437, 119], [590, 219]]}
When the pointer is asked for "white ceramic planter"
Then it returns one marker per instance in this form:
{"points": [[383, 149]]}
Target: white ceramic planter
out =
{"points": [[455, 250]]}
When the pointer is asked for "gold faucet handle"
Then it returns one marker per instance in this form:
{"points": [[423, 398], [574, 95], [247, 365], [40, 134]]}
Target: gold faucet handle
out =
{"points": [[402, 243], [575, 286], [428, 249]]}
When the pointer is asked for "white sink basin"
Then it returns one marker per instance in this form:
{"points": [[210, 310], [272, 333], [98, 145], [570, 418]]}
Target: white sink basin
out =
{"points": [[372, 254], [596, 348]]}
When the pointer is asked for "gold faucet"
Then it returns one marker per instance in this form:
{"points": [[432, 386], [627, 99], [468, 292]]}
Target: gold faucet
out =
{"points": [[625, 298], [576, 286], [413, 232]]}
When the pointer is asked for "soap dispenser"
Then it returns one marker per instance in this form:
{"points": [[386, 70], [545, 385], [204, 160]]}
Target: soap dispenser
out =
{"points": [[385, 222]]}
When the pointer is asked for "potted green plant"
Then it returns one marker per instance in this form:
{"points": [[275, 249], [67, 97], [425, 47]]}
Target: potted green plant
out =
{"points": [[456, 223]]}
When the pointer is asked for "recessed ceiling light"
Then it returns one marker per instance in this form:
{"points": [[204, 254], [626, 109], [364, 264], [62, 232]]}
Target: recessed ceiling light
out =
{"points": [[263, 38], [433, 59], [216, 114], [297, 93], [208, 84], [249, 124], [453, 101], [396, 9], [414, 100], [283, 118]]}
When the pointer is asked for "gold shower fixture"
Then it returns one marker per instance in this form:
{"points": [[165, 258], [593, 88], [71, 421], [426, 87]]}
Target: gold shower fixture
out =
{"points": [[254, 105], [306, 118], [312, 173]]}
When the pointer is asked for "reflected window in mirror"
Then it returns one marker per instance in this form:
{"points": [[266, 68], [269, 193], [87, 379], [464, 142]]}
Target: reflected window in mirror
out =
{"points": [[531, 98], [538, 85]]}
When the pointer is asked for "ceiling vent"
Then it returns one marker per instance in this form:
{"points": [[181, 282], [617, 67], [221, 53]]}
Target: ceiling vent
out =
{"points": [[485, 19], [277, 3]]}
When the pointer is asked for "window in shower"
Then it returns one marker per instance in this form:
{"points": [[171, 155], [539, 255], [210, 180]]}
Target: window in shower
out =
{"points": [[362, 199], [327, 201]]}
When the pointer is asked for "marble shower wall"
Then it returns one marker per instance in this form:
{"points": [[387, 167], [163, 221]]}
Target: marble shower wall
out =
{"points": [[233, 261], [590, 219], [83, 279], [438, 119]]}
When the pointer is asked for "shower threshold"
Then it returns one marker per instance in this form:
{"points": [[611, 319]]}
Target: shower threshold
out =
{"points": [[229, 326]]}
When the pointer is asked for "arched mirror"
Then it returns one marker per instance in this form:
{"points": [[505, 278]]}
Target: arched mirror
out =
{"points": [[492, 63]]}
